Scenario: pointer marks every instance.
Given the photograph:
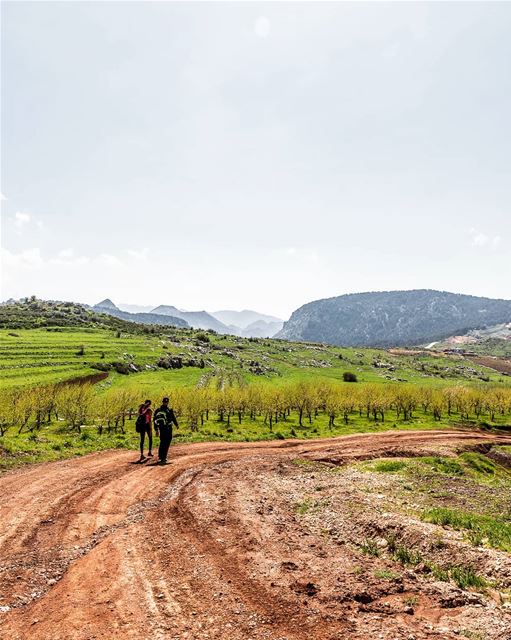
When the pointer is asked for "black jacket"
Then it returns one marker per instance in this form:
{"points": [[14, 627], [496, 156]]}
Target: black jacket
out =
{"points": [[171, 418]]}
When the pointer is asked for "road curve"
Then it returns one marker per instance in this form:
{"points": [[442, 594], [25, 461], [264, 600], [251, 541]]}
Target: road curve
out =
{"points": [[99, 547]]}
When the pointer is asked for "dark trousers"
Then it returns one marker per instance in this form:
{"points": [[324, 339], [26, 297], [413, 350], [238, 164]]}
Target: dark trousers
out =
{"points": [[165, 440], [142, 438]]}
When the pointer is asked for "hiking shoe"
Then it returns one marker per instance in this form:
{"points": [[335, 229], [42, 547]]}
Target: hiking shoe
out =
{"points": [[162, 462], [150, 455]]}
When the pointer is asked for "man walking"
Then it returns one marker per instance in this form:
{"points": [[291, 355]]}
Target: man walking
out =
{"points": [[163, 420]]}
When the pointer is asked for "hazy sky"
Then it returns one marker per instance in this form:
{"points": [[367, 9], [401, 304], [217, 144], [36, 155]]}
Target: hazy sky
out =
{"points": [[221, 155]]}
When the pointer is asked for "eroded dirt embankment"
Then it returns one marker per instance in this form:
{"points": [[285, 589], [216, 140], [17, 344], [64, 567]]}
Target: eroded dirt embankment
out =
{"points": [[214, 546]]}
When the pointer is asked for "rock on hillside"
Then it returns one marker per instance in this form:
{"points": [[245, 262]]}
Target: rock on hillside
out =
{"points": [[393, 318]]}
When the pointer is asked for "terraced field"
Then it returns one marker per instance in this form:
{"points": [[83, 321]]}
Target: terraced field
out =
{"points": [[30, 357], [40, 356]]}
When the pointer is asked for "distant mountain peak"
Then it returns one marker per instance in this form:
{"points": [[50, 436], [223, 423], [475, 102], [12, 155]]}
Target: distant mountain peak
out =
{"points": [[243, 318], [106, 304]]}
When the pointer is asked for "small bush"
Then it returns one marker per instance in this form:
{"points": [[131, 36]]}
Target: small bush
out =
{"points": [[443, 465], [389, 466], [466, 577], [386, 574], [348, 376], [370, 547], [407, 556]]}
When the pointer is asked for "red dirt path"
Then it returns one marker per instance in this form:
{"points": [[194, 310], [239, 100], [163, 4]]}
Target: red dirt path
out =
{"points": [[97, 547]]}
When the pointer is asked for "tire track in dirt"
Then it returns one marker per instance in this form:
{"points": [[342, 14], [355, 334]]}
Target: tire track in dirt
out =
{"points": [[100, 548]]}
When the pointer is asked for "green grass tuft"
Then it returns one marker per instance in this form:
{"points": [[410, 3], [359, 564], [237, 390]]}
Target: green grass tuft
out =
{"points": [[370, 548], [444, 465], [479, 463], [495, 531], [389, 466]]}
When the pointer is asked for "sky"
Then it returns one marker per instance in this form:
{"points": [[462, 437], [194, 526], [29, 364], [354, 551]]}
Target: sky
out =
{"points": [[254, 155]]}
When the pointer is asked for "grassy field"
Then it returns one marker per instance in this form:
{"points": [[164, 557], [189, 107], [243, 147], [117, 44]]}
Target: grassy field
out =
{"points": [[40, 356], [32, 358]]}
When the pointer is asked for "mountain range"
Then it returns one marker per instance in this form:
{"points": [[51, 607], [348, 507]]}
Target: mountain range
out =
{"points": [[107, 306], [393, 318], [242, 323]]}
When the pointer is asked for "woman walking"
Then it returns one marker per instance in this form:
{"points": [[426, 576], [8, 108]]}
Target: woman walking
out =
{"points": [[145, 425]]}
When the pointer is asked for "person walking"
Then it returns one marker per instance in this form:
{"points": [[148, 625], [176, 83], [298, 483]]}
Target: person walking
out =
{"points": [[144, 425], [164, 418]]}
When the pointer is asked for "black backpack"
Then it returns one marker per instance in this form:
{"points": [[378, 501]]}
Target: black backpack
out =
{"points": [[140, 424], [161, 419]]}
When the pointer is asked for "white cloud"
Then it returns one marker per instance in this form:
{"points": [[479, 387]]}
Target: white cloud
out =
{"points": [[21, 219], [67, 257], [108, 260], [28, 259], [480, 239], [2, 197]]}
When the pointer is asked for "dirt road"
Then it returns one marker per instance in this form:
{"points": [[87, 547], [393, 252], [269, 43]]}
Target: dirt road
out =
{"points": [[99, 547]]}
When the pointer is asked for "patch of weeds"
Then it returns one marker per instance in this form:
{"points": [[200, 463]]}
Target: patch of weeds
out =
{"points": [[300, 462], [386, 574], [479, 463], [444, 465], [504, 448], [439, 573], [496, 531], [473, 635], [309, 506], [370, 548], [475, 538], [389, 466], [391, 540], [407, 556], [465, 577], [411, 601]]}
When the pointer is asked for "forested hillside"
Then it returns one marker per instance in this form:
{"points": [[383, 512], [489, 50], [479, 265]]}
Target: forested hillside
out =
{"points": [[393, 318]]}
